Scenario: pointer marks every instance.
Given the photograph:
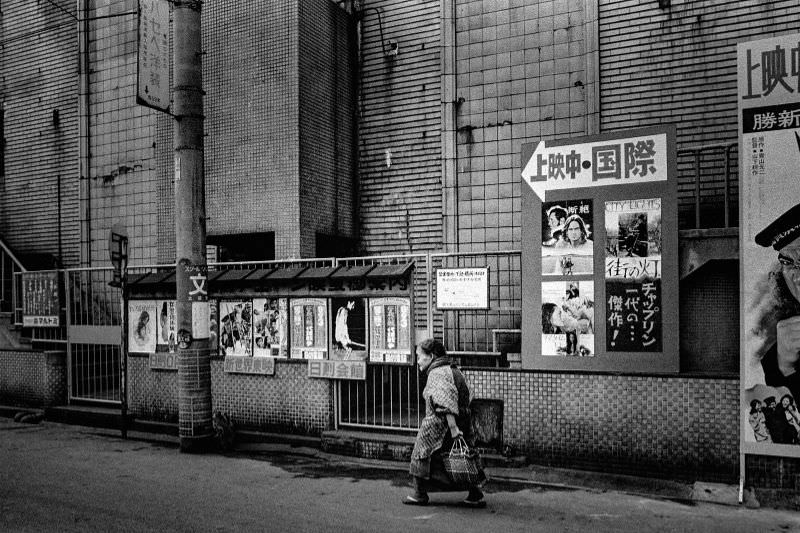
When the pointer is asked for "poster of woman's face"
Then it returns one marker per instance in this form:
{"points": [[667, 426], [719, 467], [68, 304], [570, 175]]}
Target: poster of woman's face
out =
{"points": [[270, 327], [349, 328], [142, 325], [568, 318], [567, 245], [167, 326], [235, 328]]}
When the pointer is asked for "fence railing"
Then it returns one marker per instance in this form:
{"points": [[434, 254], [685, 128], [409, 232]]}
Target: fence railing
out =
{"points": [[9, 267], [708, 186]]}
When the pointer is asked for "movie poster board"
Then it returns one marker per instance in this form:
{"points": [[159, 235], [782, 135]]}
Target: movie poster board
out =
{"points": [[349, 331], [308, 323], [390, 330], [270, 327], [769, 158], [236, 328], [142, 326], [41, 302], [600, 212]]}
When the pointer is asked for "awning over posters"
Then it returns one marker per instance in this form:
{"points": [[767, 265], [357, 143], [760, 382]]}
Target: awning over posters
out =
{"points": [[292, 280]]}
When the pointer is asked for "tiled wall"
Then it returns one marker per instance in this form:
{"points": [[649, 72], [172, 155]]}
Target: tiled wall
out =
{"points": [[684, 428], [288, 402], [31, 378]]}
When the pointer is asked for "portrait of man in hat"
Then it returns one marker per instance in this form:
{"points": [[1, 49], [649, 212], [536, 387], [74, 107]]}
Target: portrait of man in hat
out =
{"points": [[773, 316]]}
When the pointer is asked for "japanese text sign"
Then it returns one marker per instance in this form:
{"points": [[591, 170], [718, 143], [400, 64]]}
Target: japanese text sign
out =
{"points": [[640, 159], [152, 88], [462, 288], [40, 300], [351, 370]]}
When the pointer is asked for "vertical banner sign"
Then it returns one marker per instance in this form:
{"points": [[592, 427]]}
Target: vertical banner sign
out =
{"points": [[769, 184], [41, 305], [198, 296], [152, 80], [599, 217], [390, 330], [309, 327]]}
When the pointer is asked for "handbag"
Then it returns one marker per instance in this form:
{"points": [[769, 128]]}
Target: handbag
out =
{"points": [[463, 464]]}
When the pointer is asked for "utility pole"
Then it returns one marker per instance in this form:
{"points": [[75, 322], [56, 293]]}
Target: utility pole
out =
{"points": [[194, 362]]}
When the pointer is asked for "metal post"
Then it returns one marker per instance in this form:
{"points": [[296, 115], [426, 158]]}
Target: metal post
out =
{"points": [[194, 362], [429, 286], [697, 189], [123, 356]]}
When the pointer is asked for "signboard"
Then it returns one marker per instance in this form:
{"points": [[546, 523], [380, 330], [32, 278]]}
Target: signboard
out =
{"points": [[41, 305], [769, 128], [462, 288], [152, 80], [351, 370], [390, 330], [163, 361], [237, 364], [599, 218], [142, 326], [349, 333], [308, 321]]}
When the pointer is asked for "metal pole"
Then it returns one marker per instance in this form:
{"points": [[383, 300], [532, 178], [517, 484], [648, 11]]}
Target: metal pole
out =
{"points": [[194, 362], [124, 355]]}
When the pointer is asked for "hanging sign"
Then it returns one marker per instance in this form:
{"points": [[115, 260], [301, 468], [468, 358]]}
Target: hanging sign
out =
{"points": [[152, 80]]}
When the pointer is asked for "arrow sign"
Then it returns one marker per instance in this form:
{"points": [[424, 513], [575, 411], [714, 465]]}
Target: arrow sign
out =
{"points": [[609, 161]]}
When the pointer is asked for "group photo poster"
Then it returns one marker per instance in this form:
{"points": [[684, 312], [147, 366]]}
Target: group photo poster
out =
{"points": [[235, 328], [142, 326], [567, 243], [769, 247], [270, 331], [568, 318], [349, 334], [633, 275]]}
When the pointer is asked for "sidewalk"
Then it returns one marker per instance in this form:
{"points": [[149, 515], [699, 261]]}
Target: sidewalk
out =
{"points": [[271, 444]]}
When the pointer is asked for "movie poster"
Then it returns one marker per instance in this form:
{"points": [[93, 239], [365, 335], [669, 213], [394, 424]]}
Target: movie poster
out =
{"points": [[349, 340], [235, 330], [309, 326], [769, 155], [270, 319], [167, 326], [567, 244], [633, 275], [213, 327], [142, 326], [568, 318], [390, 330]]}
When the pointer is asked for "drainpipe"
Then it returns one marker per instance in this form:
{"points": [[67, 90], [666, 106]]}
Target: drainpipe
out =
{"points": [[84, 133], [448, 106]]}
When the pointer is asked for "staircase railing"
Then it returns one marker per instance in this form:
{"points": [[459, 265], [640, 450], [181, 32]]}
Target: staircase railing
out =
{"points": [[10, 283]]}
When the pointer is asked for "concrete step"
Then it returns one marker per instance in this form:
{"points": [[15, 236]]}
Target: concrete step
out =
{"points": [[85, 415]]}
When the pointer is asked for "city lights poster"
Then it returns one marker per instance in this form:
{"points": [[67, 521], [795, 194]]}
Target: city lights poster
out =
{"points": [[769, 152]]}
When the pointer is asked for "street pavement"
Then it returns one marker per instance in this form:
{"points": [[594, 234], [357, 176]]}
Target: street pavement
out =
{"points": [[56, 477]]}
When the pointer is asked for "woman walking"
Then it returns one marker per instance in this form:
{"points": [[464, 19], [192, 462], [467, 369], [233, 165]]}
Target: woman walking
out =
{"points": [[447, 417]]}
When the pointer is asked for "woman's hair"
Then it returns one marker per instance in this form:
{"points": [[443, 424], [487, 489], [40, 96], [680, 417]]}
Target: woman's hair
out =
{"points": [[789, 396], [433, 347], [753, 405], [144, 318], [547, 315], [581, 224]]}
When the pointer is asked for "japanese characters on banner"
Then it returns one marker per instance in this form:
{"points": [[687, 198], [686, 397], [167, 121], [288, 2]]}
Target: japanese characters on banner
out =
{"points": [[390, 330], [769, 126], [462, 288], [595, 214], [41, 305], [633, 275], [152, 87]]}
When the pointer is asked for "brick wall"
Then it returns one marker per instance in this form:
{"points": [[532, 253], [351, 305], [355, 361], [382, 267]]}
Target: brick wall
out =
{"points": [[676, 427], [287, 402], [37, 63], [34, 379]]}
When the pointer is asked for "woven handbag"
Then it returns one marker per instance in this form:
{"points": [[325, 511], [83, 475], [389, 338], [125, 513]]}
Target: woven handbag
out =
{"points": [[464, 465]]}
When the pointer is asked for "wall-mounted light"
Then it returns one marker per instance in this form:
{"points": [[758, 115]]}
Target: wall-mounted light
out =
{"points": [[393, 48]]}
